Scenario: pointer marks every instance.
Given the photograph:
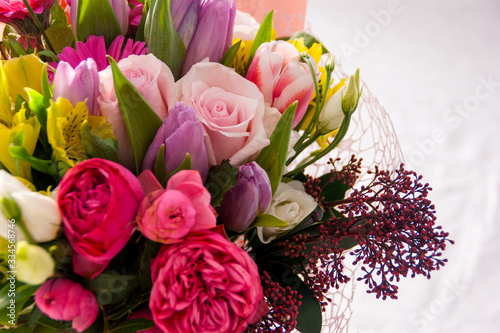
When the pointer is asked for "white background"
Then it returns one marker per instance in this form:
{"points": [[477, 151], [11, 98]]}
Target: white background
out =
{"points": [[427, 62]]}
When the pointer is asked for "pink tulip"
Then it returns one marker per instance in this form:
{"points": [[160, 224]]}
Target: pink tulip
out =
{"points": [[282, 78], [98, 200], [166, 216], [79, 84], [63, 299]]}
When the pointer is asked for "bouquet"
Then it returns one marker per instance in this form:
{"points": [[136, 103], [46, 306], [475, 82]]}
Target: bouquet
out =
{"points": [[154, 161]]}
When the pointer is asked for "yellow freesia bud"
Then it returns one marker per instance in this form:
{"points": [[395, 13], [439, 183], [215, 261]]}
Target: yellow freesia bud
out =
{"points": [[34, 264]]}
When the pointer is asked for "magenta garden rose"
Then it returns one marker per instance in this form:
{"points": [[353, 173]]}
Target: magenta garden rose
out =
{"points": [[282, 78], [230, 108], [98, 200], [205, 284], [63, 299], [165, 216]]}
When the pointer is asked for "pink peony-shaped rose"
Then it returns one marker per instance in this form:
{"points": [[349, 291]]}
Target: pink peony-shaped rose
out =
{"points": [[168, 215], [63, 299], [205, 284], [15, 9], [282, 78], [152, 78], [98, 200], [230, 108]]}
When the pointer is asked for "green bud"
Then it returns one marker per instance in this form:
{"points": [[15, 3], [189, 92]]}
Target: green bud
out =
{"points": [[330, 64], [34, 264], [352, 94], [10, 209]]}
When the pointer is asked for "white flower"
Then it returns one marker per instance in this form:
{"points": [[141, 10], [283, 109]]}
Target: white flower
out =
{"points": [[331, 116], [34, 265], [291, 204], [245, 26], [40, 213]]}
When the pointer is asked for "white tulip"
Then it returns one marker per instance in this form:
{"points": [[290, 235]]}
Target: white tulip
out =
{"points": [[40, 213], [291, 204], [34, 265]]}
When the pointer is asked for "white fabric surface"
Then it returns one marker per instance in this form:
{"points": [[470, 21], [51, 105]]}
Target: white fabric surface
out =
{"points": [[429, 64]]}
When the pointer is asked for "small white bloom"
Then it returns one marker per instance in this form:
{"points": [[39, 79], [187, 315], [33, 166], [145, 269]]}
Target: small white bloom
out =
{"points": [[245, 26], [331, 116], [41, 215], [34, 265], [291, 204]]}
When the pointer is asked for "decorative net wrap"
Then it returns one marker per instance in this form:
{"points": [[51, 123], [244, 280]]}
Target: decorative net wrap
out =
{"points": [[371, 136]]}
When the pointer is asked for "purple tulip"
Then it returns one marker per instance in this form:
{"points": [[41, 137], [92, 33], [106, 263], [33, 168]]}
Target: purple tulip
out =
{"points": [[214, 33], [185, 16], [79, 84], [249, 197], [181, 133]]}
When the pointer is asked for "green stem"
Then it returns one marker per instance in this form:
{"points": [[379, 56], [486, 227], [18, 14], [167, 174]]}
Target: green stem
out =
{"points": [[39, 25], [340, 135]]}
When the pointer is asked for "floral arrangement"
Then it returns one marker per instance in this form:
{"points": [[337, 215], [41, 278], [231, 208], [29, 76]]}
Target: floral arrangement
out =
{"points": [[153, 175]]}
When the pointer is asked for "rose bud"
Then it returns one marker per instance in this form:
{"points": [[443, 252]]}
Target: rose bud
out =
{"points": [[63, 299], [34, 263], [249, 197], [180, 133]]}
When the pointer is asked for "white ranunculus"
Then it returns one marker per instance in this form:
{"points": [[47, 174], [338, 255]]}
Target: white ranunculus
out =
{"points": [[40, 213], [331, 116], [245, 26], [34, 264], [291, 204]]}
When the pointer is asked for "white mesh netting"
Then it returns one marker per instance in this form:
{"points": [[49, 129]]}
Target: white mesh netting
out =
{"points": [[372, 137]]}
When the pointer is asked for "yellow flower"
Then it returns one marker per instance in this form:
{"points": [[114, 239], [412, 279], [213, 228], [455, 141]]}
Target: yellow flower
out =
{"points": [[6, 112], [64, 122], [315, 51], [240, 61], [31, 129], [22, 72]]}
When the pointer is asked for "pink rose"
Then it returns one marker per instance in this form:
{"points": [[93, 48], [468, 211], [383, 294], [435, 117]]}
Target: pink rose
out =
{"points": [[230, 108], [152, 78], [277, 71], [205, 284], [98, 200], [168, 215], [63, 299]]}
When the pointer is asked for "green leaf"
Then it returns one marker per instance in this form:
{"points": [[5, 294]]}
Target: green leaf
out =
{"points": [[161, 37], [267, 220], [347, 243], [96, 17], [131, 303], [133, 326], [309, 40], [228, 58], [141, 121], [111, 288], [309, 319], [46, 88], [264, 35], [220, 179], [159, 169], [273, 157], [59, 32], [149, 251], [36, 104], [96, 147], [139, 35], [15, 46], [15, 298], [333, 190], [49, 54]]}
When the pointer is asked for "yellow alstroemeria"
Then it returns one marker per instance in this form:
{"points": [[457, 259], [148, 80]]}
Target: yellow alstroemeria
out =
{"points": [[22, 72], [315, 51], [31, 129], [64, 123], [6, 111]]}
